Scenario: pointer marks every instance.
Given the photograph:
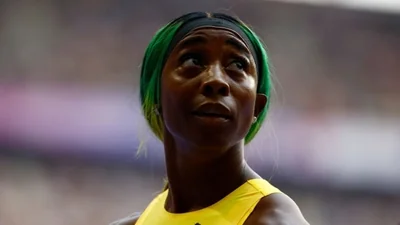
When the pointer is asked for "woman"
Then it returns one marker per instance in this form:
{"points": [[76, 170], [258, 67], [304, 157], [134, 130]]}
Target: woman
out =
{"points": [[205, 85]]}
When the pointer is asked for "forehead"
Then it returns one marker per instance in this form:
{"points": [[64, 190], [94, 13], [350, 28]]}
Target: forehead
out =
{"points": [[215, 32], [205, 35]]}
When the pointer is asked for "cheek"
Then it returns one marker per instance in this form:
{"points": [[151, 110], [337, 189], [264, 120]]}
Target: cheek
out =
{"points": [[168, 98], [172, 90], [172, 101], [246, 113], [251, 84], [247, 94], [246, 105], [170, 108]]}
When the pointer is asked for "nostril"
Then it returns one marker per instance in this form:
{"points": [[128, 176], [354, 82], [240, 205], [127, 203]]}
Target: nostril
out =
{"points": [[215, 87], [208, 89], [223, 91]]}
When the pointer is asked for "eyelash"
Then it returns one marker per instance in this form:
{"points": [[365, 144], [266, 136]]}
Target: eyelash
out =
{"points": [[243, 63], [197, 57], [187, 56]]}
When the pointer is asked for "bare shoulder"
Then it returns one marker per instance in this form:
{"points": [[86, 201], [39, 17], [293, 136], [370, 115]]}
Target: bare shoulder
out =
{"points": [[130, 220], [276, 209]]}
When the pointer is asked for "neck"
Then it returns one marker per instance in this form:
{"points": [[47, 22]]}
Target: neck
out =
{"points": [[199, 178]]}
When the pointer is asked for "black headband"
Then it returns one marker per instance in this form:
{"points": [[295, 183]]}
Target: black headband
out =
{"points": [[195, 23]]}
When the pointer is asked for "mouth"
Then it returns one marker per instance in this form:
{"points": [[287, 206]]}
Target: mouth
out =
{"points": [[214, 111], [212, 115]]}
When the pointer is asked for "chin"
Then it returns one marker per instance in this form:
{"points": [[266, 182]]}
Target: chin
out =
{"points": [[213, 143]]}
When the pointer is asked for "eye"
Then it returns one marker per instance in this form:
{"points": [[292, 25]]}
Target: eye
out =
{"points": [[237, 64], [190, 60]]}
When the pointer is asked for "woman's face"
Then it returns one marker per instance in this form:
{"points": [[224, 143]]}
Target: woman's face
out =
{"points": [[208, 90]]}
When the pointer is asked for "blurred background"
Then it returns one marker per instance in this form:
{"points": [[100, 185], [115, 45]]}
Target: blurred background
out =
{"points": [[70, 121]]}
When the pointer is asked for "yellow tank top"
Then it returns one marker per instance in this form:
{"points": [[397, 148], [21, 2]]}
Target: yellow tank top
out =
{"points": [[231, 210]]}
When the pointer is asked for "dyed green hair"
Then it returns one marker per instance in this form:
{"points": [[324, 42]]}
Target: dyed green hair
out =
{"points": [[157, 53]]}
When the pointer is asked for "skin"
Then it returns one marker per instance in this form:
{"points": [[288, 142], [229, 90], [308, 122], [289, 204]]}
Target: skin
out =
{"points": [[204, 153]]}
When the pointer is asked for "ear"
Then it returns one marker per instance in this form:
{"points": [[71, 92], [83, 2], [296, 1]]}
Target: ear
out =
{"points": [[261, 102]]}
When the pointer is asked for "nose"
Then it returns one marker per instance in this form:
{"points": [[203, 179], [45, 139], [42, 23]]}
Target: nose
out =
{"points": [[215, 84]]}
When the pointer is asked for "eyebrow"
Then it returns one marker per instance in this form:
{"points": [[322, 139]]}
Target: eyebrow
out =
{"points": [[192, 40], [200, 39], [238, 45]]}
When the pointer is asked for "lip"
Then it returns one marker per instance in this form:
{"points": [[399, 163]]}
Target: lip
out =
{"points": [[213, 110]]}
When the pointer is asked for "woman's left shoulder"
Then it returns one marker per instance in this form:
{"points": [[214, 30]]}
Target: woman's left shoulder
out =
{"points": [[276, 209]]}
